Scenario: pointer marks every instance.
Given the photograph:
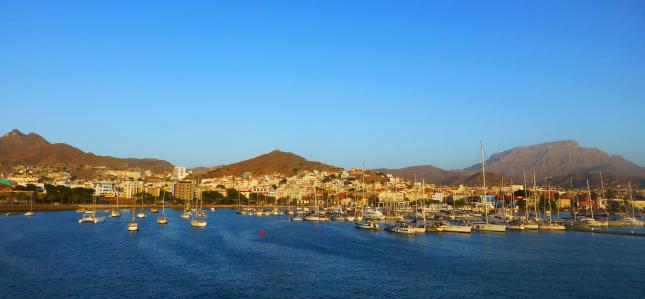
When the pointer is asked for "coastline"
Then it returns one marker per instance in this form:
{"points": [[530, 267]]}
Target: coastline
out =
{"points": [[52, 207]]}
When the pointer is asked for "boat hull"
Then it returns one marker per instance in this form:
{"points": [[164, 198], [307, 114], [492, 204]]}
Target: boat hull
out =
{"points": [[457, 229], [489, 227]]}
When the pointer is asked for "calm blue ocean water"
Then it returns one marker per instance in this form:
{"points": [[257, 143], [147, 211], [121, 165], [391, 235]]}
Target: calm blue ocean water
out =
{"points": [[51, 255]]}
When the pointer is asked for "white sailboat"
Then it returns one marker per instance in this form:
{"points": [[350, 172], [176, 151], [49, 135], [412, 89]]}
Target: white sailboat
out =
{"points": [[133, 225], [196, 220], [551, 225], [592, 222], [142, 213], [631, 220], [154, 208], [115, 212], [31, 205], [162, 218], [486, 226], [316, 215], [456, 227], [90, 215]]}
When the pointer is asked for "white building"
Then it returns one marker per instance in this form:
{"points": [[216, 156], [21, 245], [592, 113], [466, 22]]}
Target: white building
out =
{"points": [[104, 188], [179, 173]]}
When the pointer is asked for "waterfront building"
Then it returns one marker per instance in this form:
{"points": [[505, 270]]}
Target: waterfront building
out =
{"points": [[184, 190]]}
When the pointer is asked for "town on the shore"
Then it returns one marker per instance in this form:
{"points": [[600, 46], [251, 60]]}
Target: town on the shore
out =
{"points": [[352, 187]]}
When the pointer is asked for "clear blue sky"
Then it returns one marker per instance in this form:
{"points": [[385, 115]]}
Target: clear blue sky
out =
{"points": [[392, 83]]}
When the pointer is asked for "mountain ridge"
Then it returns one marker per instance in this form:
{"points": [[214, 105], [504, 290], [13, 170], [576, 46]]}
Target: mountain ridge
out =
{"points": [[17, 148], [565, 161]]}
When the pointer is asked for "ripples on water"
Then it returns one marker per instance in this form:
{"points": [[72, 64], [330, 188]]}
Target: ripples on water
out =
{"points": [[51, 255]]}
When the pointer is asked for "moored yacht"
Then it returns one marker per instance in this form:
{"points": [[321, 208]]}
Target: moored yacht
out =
{"points": [[515, 225], [486, 226], [296, 217], [367, 224], [132, 225], [552, 225], [198, 222], [372, 213], [457, 227], [489, 227], [88, 218]]}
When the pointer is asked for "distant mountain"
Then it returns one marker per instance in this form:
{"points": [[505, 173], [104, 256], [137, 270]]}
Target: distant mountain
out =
{"points": [[564, 161], [558, 159], [284, 163], [31, 149]]}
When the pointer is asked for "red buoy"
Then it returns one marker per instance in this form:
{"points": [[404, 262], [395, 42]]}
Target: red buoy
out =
{"points": [[262, 233]]}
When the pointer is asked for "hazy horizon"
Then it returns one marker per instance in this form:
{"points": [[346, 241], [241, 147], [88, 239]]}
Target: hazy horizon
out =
{"points": [[206, 84]]}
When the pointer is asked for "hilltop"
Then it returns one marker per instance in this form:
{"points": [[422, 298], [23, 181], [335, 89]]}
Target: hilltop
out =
{"points": [[17, 148], [566, 162], [284, 163]]}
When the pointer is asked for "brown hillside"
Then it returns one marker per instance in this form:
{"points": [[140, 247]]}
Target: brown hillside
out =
{"points": [[284, 163], [17, 148]]}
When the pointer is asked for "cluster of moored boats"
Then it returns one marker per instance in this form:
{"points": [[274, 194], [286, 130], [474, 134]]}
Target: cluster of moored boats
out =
{"points": [[455, 221], [197, 215]]}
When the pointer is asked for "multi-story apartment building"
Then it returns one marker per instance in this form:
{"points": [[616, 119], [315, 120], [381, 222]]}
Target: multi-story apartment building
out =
{"points": [[184, 190]]}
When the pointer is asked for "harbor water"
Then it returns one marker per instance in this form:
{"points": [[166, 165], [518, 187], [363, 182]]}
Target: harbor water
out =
{"points": [[52, 255]]}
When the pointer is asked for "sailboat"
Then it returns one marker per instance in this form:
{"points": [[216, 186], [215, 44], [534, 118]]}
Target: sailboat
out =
{"points": [[31, 206], [133, 225], [532, 224], [551, 225], [316, 215], [631, 220], [186, 214], [154, 208], [295, 216], [116, 212], [162, 218], [142, 214], [592, 222], [198, 221], [487, 226], [90, 215]]}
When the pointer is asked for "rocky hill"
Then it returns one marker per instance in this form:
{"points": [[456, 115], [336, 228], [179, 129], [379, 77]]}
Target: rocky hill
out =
{"points": [[284, 163], [17, 148]]}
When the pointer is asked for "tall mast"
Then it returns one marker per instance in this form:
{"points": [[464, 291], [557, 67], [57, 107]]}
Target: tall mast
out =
{"points": [[590, 200], [602, 191], [535, 198], [481, 147], [526, 202], [363, 182], [548, 190], [631, 199], [163, 200]]}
